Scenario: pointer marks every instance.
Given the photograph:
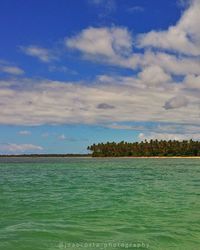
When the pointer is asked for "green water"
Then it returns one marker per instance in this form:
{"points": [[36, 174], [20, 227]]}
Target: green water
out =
{"points": [[99, 204]]}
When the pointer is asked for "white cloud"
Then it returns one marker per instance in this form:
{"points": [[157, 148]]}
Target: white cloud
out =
{"points": [[176, 102], [154, 75], [154, 94], [24, 132], [8, 68], [115, 46], [125, 126], [184, 37], [192, 81], [53, 102], [107, 42], [19, 148], [167, 136], [42, 54], [177, 65], [13, 70]]}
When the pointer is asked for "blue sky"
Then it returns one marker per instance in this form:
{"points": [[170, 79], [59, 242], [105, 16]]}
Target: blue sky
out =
{"points": [[73, 73]]}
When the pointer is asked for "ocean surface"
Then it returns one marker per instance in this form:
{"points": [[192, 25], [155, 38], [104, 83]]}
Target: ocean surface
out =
{"points": [[75, 203]]}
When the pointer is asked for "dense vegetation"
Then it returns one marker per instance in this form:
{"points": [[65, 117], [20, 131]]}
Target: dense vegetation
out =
{"points": [[146, 148]]}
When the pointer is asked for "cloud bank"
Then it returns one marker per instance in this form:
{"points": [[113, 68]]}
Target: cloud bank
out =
{"points": [[19, 148], [164, 86]]}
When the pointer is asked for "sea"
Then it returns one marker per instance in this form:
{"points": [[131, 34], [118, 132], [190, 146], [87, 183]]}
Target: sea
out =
{"points": [[99, 203]]}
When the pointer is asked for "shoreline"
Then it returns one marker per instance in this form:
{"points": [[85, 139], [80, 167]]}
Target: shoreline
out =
{"points": [[149, 157], [160, 157], [101, 157]]}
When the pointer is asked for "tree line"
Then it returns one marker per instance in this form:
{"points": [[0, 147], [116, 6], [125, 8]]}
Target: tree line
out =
{"points": [[146, 148]]}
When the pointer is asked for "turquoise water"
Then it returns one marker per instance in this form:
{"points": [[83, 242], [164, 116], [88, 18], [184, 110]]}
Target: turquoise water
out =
{"points": [[60, 203]]}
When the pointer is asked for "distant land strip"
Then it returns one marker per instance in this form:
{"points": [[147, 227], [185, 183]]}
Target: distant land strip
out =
{"points": [[143, 149], [46, 155], [151, 148]]}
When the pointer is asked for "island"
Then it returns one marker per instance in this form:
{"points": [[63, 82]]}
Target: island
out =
{"points": [[151, 148]]}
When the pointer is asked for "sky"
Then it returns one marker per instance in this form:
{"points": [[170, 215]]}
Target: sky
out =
{"points": [[74, 73]]}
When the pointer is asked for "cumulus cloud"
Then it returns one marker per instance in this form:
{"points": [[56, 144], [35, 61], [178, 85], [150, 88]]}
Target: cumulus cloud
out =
{"points": [[154, 75], [173, 64], [184, 37], [100, 48], [192, 81], [19, 148], [40, 53], [161, 91], [106, 42], [115, 46], [54, 102], [176, 102]]}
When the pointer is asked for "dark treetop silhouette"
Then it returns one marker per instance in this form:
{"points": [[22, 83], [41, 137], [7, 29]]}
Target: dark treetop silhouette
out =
{"points": [[146, 148]]}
